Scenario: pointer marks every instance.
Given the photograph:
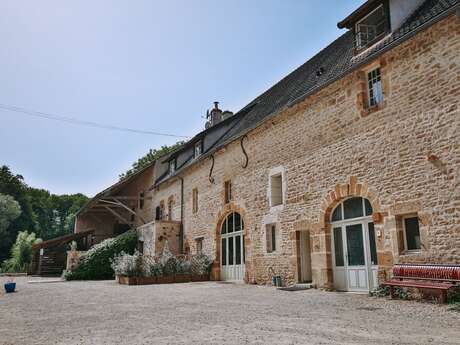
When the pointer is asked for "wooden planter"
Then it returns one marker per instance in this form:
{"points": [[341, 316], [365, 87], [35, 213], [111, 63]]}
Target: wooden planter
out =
{"points": [[127, 280], [180, 278], [200, 278]]}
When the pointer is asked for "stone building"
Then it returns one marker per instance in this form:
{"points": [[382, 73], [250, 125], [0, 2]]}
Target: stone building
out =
{"points": [[348, 165]]}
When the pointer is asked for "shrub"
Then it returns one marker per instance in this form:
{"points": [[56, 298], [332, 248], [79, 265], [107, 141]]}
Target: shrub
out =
{"points": [[96, 262], [21, 253], [127, 265], [201, 264]]}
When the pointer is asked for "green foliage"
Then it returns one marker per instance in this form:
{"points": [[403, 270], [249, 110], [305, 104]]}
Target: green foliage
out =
{"points": [[45, 214], [381, 291], [454, 296], [9, 211], [152, 155], [21, 253], [96, 263], [166, 264]]}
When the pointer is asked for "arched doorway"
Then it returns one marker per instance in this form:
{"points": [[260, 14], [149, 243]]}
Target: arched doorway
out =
{"points": [[232, 248], [354, 253]]}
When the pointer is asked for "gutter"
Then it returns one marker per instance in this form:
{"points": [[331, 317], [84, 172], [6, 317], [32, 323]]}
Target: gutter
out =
{"points": [[181, 227]]}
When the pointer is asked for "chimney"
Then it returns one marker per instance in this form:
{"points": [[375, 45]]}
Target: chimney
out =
{"points": [[216, 115]]}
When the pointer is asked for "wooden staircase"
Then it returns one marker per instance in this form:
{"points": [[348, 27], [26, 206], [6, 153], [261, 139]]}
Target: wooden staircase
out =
{"points": [[52, 263]]}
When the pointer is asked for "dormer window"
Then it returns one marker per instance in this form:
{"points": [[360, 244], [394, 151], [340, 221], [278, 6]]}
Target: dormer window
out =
{"points": [[198, 149], [371, 27], [172, 166]]}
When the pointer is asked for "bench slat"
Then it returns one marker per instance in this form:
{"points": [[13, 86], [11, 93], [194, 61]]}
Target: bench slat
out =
{"points": [[419, 285]]}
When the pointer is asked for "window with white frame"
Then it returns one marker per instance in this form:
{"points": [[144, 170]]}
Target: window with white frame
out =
{"points": [[374, 87], [276, 189], [411, 233], [270, 233], [198, 149], [371, 28]]}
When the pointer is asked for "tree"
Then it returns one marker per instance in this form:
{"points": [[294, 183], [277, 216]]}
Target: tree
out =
{"points": [[9, 211], [152, 155], [21, 253], [43, 213]]}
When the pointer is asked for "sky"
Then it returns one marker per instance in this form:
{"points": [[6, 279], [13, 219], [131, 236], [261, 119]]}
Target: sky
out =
{"points": [[145, 64]]}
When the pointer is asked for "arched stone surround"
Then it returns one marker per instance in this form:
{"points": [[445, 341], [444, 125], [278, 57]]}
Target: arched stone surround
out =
{"points": [[320, 232], [220, 218]]}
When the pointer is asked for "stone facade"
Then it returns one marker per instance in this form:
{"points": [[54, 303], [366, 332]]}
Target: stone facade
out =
{"points": [[403, 156]]}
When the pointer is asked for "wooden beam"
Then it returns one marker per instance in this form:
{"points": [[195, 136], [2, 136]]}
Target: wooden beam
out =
{"points": [[117, 215], [131, 211]]}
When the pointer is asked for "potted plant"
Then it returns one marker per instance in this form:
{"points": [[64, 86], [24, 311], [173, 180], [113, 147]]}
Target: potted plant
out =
{"points": [[10, 286]]}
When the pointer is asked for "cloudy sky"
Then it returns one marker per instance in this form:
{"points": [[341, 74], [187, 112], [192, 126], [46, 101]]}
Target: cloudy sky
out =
{"points": [[149, 65]]}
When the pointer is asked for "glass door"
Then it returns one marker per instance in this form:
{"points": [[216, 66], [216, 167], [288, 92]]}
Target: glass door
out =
{"points": [[357, 271]]}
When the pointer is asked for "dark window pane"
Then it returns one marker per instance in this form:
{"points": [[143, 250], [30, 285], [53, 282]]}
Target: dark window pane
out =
{"points": [[231, 251], [368, 207], [223, 230], [372, 244], [273, 238], [224, 251], [353, 208], [412, 233], [338, 246], [337, 214], [230, 223], [355, 245], [238, 250], [237, 222]]}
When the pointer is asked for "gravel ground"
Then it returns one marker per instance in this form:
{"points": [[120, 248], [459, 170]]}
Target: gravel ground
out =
{"points": [[213, 313]]}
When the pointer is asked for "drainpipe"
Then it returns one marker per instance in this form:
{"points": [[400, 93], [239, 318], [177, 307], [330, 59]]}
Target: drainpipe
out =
{"points": [[181, 227]]}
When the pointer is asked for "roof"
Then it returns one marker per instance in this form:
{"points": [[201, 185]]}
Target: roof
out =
{"points": [[114, 188], [336, 61], [358, 13]]}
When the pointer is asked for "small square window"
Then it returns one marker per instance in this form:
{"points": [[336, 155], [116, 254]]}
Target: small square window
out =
{"points": [[199, 245], [411, 233], [195, 200], [198, 149], [228, 191], [276, 190], [141, 200], [270, 232], [374, 88]]}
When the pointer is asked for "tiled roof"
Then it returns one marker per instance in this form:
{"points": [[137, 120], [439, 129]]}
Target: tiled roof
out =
{"points": [[336, 60]]}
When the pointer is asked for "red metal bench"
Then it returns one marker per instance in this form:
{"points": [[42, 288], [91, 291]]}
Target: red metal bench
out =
{"points": [[421, 276]]}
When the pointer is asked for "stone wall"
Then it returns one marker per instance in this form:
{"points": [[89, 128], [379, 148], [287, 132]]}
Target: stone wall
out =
{"points": [[404, 156]]}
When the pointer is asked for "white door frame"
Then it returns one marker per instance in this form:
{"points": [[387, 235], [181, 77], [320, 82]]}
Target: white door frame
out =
{"points": [[235, 271], [370, 269]]}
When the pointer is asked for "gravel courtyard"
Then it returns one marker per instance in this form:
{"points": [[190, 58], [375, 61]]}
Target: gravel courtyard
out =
{"points": [[213, 313]]}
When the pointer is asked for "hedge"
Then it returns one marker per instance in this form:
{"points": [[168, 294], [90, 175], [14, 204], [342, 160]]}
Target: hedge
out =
{"points": [[96, 263]]}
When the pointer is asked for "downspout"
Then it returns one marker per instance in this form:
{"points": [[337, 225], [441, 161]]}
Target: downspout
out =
{"points": [[181, 227]]}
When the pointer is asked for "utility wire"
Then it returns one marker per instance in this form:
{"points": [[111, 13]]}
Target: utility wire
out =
{"points": [[82, 122]]}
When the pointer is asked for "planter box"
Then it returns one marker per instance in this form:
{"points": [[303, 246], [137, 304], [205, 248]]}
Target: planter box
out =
{"points": [[180, 278], [165, 280], [146, 280], [127, 280], [200, 278]]}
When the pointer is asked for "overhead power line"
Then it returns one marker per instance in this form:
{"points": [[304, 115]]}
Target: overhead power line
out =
{"points": [[82, 122]]}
